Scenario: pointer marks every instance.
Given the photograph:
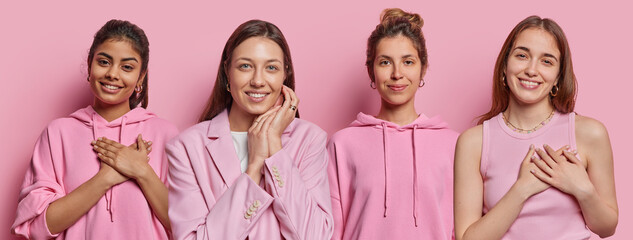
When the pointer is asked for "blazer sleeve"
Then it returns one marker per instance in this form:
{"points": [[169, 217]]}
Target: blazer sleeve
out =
{"points": [[335, 192], [39, 189], [194, 211], [301, 192]]}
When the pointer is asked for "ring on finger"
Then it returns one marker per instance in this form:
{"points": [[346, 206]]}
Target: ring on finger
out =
{"points": [[293, 107]]}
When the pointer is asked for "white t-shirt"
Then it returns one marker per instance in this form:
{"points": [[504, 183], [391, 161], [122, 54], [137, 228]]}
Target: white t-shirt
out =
{"points": [[240, 141]]}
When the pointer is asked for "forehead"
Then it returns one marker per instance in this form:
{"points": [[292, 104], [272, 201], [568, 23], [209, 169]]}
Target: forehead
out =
{"points": [[118, 48], [538, 41], [258, 48], [396, 46]]}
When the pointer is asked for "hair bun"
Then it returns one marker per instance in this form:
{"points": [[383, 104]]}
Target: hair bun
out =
{"points": [[393, 14]]}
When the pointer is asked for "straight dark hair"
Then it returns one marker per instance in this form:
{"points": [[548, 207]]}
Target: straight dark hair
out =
{"points": [[220, 98]]}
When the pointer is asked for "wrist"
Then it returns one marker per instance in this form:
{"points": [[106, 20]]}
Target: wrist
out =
{"points": [[103, 182], [520, 191]]}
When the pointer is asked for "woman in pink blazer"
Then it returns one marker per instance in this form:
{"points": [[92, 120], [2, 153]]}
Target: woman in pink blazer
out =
{"points": [[250, 169]]}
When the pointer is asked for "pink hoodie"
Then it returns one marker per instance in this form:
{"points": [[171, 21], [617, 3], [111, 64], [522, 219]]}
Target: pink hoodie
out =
{"points": [[63, 159], [392, 182]]}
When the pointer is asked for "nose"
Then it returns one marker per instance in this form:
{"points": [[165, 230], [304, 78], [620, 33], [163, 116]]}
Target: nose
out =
{"points": [[396, 74], [531, 69], [112, 73], [258, 79]]}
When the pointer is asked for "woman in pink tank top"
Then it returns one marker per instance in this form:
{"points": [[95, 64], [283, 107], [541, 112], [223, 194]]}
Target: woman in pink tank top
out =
{"points": [[554, 191]]}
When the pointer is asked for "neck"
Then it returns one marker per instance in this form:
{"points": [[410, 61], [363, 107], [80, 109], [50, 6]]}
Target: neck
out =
{"points": [[239, 120], [111, 112], [527, 116], [399, 114]]}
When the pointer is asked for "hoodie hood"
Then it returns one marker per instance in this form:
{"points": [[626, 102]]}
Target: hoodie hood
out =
{"points": [[92, 119], [422, 122]]}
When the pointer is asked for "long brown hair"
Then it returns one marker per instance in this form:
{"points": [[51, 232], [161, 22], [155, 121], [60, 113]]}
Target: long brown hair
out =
{"points": [[395, 22], [121, 30], [565, 99], [220, 98]]}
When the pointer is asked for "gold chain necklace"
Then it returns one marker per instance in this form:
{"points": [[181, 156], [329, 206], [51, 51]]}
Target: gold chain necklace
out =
{"points": [[521, 130]]}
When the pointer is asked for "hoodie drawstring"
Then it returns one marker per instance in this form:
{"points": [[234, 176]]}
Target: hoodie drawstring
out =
{"points": [[94, 137], [415, 178], [111, 190], [384, 145]]}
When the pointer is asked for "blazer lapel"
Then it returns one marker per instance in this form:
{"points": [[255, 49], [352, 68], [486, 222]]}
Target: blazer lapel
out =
{"points": [[221, 149]]}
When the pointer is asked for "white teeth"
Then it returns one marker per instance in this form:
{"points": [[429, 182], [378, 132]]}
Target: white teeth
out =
{"points": [[257, 95], [529, 83], [110, 87]]}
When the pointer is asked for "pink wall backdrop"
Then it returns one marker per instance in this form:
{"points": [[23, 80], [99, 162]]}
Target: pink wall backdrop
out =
{"points": [[43, 48]]}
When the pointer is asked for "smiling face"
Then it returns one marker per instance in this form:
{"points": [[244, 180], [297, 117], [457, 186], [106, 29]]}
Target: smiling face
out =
{"points": [[115, 71], [397, 70], [256, 75], [532, 66]]}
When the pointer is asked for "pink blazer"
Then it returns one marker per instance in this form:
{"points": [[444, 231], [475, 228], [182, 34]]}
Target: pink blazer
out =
{"points": [[210, 198]]}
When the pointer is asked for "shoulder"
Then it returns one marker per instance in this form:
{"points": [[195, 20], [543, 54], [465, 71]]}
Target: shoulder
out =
{"points": [[305, 129], [590, 130], [353, 134], [471, 139], [160, 124], [65, 124], [195, 133]]}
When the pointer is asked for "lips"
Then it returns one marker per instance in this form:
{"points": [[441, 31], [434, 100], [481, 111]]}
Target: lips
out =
{"points": [[529, 84], [397, 87], [257, 96], [110, 88]]}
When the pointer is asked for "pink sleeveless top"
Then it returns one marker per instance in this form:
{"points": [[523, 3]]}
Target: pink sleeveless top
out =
{"points": [[550, 214]]}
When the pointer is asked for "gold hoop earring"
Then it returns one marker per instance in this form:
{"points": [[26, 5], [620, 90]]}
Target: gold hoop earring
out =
{"points": [[422, 82], [505, 84], [552, 92], [372, 85], [228, 88]]}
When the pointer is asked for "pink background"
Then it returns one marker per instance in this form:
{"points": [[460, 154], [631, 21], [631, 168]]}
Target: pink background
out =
{"points": [[44, 46]]}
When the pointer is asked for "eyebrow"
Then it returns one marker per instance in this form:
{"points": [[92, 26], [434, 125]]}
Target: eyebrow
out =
{"points": [[122, 60], [251, 60], [528, 50], [404, 56]]}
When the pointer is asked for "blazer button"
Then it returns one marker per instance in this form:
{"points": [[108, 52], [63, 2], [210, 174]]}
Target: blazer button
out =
{"points": [[257, 203], [247, 216]]}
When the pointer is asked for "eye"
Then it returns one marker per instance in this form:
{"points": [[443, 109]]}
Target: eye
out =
{"points": [[384, 62], [244, 66], [521, 56], [548, 62], [103, 62], [272, 68], [409, 62], [128, 68]]}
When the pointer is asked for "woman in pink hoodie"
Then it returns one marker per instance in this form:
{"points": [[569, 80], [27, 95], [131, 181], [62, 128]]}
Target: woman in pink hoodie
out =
{"points": [[81, 184], [391, 175], [250, 169], [502, 193]]}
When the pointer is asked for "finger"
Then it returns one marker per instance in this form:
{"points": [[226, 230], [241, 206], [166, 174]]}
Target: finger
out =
{"points": [[572, 157], [293, 97], [529, 155], [141, 144], [543, 166], [106, 159], [110, 142], [556, 155], [267, 117], [107, 147], [287, 97], [543, 155], [541, 176], [268, 120]]}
